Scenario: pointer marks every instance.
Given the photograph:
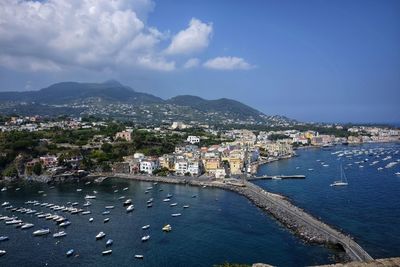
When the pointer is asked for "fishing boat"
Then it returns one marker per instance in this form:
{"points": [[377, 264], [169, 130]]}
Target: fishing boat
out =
{"points": [[100, 235], [146, 227], [167, 228], [41, 232], [145, 238], [69, 253], [343, 179]]}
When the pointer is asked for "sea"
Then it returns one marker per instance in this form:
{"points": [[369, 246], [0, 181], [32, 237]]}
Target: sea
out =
{"points": [[219, 226]]}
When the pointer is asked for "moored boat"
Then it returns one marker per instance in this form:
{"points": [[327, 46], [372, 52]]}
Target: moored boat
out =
{"points": [[41, 232]]}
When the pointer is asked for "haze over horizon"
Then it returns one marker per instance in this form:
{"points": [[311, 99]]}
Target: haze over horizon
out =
{"points": [[311, 61]]}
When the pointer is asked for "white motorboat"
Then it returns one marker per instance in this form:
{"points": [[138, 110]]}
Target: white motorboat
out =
{"points": [[176, 214], [27, 226], [41, 232], [59, 234], [65, 224], [90, 197], [145, 238], [100, 235], [107, 252], [146, 227], [130, 208], [167, 228], [138, 256]]}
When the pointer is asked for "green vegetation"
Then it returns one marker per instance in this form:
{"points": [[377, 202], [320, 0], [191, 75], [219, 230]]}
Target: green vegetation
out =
{"points": [[226, 264]]}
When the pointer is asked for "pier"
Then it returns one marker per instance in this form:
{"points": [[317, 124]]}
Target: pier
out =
{"points": [[277, 177], [292, 217]]}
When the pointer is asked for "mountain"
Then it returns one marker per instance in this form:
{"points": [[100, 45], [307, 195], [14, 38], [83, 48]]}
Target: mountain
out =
{"points": [[112, 99]]}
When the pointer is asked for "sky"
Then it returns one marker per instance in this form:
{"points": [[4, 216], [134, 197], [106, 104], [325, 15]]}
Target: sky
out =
{"points": [[314, 61]]}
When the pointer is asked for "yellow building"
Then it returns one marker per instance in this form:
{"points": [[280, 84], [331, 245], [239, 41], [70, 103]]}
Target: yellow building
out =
{"points": [[211, 164], [236, 165]]}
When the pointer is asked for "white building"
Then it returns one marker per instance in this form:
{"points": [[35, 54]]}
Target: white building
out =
{"points": [[194, 167], [193, 139], [181, 167], [148, 166]]}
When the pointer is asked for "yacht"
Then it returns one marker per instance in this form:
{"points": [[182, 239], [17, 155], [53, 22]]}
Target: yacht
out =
{"points": [[27, 226], [107, 252], [167, 228], [146, 227], [343, 179], [100, 235], [130, 208], [59, 234], [41, 232], [128, 202], [65, 224], [145, 238]]}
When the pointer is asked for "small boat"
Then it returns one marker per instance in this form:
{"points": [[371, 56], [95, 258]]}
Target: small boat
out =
{"points": [[397, 173], [106, 220], [65, 224], [100, 235], [150, 200], [87, 204], [107, 252], [130, 208], [121, 197], [145, 238], [106, 212], [137, 256], [160, 189], [126, 188], [150, 205], [109, 207], [86, 212], [109, 242], [186, 206], [4, 189], [5, 204], [27, 226], [79, 190], [19, 225], [169, 196], [75, 204], [128, 202], [167, 228], [90, 219], [173, 204], [146, 227], [59, 234], [116, 191], [194, 196], [149, 188], [176, 214], [41, 232], [166, 199], [90, 197], [3, 238], [13, 221], [2, 252], [69, 253], [87, 183]]}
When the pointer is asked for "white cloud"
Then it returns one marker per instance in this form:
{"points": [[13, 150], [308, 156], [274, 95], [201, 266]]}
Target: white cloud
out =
{"points": [[193, 39], [93, 34], [191, 63], [227, 63]]}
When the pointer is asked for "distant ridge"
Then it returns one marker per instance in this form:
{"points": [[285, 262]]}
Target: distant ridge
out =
{"points": [[105, 99]]}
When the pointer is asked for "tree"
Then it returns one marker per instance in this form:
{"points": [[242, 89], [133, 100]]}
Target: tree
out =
{"points": [[37, 168], [106, 147], [10, 171]]}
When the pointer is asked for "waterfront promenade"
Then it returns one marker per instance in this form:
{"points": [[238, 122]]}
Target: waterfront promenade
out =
{"points": [[294, 218]]}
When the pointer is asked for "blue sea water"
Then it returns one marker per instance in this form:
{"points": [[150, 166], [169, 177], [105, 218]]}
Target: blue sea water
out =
{"points": [[219, 226], [368, 208]]}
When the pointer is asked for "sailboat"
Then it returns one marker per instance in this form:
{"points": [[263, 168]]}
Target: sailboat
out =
{"points": [[343, 179]]}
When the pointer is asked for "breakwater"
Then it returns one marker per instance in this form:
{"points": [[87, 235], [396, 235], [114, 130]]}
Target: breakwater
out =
{"points": [[294, 218]]}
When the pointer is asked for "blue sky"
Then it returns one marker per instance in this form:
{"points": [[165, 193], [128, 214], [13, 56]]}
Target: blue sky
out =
{"points": [[309, 60]]}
